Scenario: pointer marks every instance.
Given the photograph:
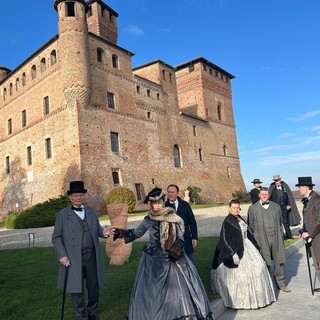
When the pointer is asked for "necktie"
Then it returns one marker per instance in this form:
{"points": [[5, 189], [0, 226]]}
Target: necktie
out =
{"points": [[173, 205], [76, 209], [305, 202]]}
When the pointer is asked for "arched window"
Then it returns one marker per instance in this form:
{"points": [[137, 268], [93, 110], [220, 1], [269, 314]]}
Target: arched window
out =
{"points": [[176, 156], [17, 84], [33, 72], [225, 150], [24, 79], [10, 89], [115, 61], [220, 111], [163, 74], [100, 55], [148, 93], [53, 57], [4, 93], [43, 65]]}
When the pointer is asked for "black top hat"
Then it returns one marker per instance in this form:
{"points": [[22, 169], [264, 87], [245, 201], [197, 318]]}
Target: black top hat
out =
{"points": [[305, 181], [256, 181], [76, 187], [154, 195]]}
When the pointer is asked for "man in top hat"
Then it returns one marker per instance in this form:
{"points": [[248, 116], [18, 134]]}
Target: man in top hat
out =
{"points": [[76, 241], [254, 193], [311, 218], [281, 194], [264, 219], [184, 210]]}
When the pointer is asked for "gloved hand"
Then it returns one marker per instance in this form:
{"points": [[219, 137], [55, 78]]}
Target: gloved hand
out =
{"points": [[175, 253], [118, 233], [236, 259]]}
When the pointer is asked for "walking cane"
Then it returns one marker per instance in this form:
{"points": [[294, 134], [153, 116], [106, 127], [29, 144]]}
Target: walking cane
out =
{"points": [[307, 245], [64, 289]]}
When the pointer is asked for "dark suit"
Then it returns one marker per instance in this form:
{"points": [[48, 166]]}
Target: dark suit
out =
{"points": [[311, 219], [191, 231], [254, 194]]}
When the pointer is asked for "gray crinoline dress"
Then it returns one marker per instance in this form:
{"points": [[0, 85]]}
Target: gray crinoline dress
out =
{"points": [[165, 289]]}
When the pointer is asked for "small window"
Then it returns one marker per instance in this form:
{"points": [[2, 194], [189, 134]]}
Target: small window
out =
{"points": [[24, 118], [53, 57], [24, 79], [149, 115], [221, 115], [29, 156], [170, 77], [48, 148], [17, 84], [176, 156], [114, 137], [102, 11], [70, 9], [191, 68], [46, 105], [10, 126], [200, 154], [158, 96], [115, 61], [138, 89], [204, 67], [33, 72], [4, 93], [110, 100], [225, 150], [163, 74], [8, 165], [11, 89], [194, 130], [148, 93], [139, 191], [43, 65], [111, 17], [116, 177], [100, 55], [90, 11]]}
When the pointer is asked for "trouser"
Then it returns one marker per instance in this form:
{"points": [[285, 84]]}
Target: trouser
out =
{"points": [[89, 273], [316, 264], [278, 267], [285, 222]]}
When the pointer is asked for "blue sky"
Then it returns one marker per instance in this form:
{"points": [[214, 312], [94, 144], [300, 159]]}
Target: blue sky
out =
{"points": [[271, 47]]}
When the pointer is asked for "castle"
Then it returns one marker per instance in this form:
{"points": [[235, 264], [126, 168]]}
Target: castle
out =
{"points": [[76, 109]]}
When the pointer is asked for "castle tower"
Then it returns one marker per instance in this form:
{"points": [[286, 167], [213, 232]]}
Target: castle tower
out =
{"points": [[74, 51], [102, 20], [3, 72]]}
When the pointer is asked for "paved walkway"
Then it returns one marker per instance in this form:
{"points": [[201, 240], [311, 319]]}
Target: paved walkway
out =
{"points": [[296, 304]]}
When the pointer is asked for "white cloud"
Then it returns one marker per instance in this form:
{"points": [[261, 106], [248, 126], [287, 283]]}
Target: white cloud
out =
{"points": [[270, 148], [305, 116], [134, 30]]}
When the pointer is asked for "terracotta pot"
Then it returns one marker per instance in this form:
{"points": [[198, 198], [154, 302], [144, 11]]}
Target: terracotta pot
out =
{"points": [[118, 252]]}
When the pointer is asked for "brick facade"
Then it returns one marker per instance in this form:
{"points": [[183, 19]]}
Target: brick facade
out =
{"points": [[79, 89]]}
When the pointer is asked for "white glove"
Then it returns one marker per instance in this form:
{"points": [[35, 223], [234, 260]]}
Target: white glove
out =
{"points": [[236, 259]]}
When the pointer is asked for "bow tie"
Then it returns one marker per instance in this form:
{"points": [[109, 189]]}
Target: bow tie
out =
{"points": [[266, 202], [305, 200], [76, 209]]}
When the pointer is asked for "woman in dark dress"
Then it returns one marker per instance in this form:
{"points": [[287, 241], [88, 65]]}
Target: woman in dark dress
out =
{"points": [[167, 284], [239, 274]]}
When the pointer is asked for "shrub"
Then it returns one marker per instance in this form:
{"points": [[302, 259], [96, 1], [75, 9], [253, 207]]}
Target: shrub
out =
{"points": [[9, 223], [242, 196], [40, 215], [194, 194], [122, 195]]}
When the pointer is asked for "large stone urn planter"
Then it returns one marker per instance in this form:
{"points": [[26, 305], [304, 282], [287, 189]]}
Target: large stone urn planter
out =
{"points": [[118, 252]]}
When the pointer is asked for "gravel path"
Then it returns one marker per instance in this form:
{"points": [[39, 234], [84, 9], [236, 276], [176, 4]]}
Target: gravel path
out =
{"points": [[209, 224]]}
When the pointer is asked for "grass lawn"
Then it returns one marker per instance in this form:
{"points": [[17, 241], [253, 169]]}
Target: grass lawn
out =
{"points": [[28, 283]]}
